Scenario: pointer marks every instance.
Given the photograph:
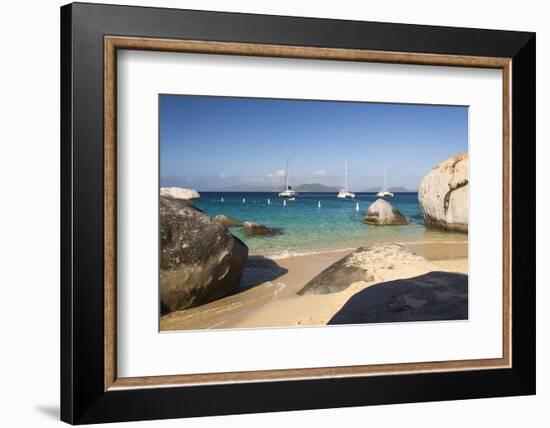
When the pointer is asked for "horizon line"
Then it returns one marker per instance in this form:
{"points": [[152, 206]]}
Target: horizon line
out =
{"points": [[277, 191]]}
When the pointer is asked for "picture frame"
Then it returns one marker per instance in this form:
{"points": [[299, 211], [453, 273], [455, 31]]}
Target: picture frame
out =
{"points": [[91, 391]]}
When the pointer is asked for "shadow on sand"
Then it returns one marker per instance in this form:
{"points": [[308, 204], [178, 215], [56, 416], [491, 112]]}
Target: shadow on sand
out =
{"points": [[259, 269], [430, 297]]}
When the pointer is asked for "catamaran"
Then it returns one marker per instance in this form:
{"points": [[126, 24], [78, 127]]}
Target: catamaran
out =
{"points": [[288, 192], [345, 193], [385, 192]]}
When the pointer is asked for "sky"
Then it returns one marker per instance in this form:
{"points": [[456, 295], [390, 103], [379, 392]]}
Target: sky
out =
{"points": [[228, 143]]}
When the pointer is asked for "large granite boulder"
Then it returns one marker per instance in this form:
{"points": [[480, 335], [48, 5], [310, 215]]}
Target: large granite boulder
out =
{"points": [[228, 221], [443, 195], [365, 264], [381, 212], [256, 229], [337, 277], [200, 260], [179, 193]]}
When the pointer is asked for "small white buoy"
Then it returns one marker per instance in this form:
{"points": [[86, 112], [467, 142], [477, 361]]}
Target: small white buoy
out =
{"points": [[222, 198], [284, 202], [268, 201], [357, 207], [244, 200], [318, 204]]}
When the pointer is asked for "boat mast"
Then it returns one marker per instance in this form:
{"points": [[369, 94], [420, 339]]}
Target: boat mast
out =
{"points": [[286, 175], [346, 166], [385, 178]]}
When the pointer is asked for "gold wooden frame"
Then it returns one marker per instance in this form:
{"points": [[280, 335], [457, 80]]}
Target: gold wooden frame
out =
{"points": [[113, 43]]}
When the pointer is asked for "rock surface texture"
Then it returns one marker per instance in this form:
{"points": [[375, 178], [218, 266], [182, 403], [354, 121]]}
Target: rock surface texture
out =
{"points": [[364, 264], [381, 212], [179, 193], [443, 195], [200, 260], [228, 221], [255, 229]]}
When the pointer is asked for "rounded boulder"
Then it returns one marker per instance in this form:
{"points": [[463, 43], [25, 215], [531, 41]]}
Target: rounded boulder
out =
{"points": [[381, 212], [200, 260]]}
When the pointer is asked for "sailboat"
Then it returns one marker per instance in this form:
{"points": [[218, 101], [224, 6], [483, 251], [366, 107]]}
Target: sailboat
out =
{"points": [[345, 193], [385, 192], [287, 192]]}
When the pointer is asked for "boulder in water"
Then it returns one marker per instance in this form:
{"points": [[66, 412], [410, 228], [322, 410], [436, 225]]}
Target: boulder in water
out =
{"points": [[381, 212], [228, 221], [443, 195], [200, 260], [256, 229]]}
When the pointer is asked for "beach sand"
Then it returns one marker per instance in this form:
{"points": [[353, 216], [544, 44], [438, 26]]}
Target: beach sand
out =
{"points": [[268, 296]]}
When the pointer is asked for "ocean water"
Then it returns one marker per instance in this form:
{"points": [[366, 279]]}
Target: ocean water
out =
{"points": [[307, 228]]}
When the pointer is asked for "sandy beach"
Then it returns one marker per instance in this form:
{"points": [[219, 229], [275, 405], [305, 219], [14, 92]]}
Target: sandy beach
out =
{"points": [[268, 293]]}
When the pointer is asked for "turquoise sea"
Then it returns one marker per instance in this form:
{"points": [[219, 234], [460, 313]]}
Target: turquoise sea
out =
{"points": [[307, 228]]}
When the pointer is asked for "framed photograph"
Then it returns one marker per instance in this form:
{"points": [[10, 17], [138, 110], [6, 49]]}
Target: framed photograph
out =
{"points": [[265, 213]]}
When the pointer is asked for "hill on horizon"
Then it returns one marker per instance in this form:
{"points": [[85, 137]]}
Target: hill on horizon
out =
{"points": [[304, 188], [246, 188], [391, 189], [316, 188]]}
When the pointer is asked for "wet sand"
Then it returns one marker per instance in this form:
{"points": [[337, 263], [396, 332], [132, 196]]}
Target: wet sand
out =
{"points": [[268, 296]]}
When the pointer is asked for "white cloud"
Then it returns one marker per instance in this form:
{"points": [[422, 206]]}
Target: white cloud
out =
{"points": [[278, 173], [320, 173]]}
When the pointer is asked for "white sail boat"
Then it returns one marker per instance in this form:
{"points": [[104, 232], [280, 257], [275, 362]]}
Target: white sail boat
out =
{"points": [[385, 192], [345, 193], [288, 192]]}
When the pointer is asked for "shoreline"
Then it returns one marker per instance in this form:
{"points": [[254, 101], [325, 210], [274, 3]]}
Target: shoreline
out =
{"points": [[268, 297], [412, 245]]}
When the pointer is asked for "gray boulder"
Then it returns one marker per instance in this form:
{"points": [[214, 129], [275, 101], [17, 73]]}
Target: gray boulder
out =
{"points": [[443, 195], [338, 276], [255, 229], [381, 212], [200, 260], [366, 264], [228, 221]]}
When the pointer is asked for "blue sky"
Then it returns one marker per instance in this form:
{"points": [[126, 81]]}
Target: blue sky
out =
{"points": [[214, 143]]}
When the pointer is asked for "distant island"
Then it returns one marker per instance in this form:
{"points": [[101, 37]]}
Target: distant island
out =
{"points": [[307, 187], [244, 188], [316, 188], [395, 189], [304, 188]]}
